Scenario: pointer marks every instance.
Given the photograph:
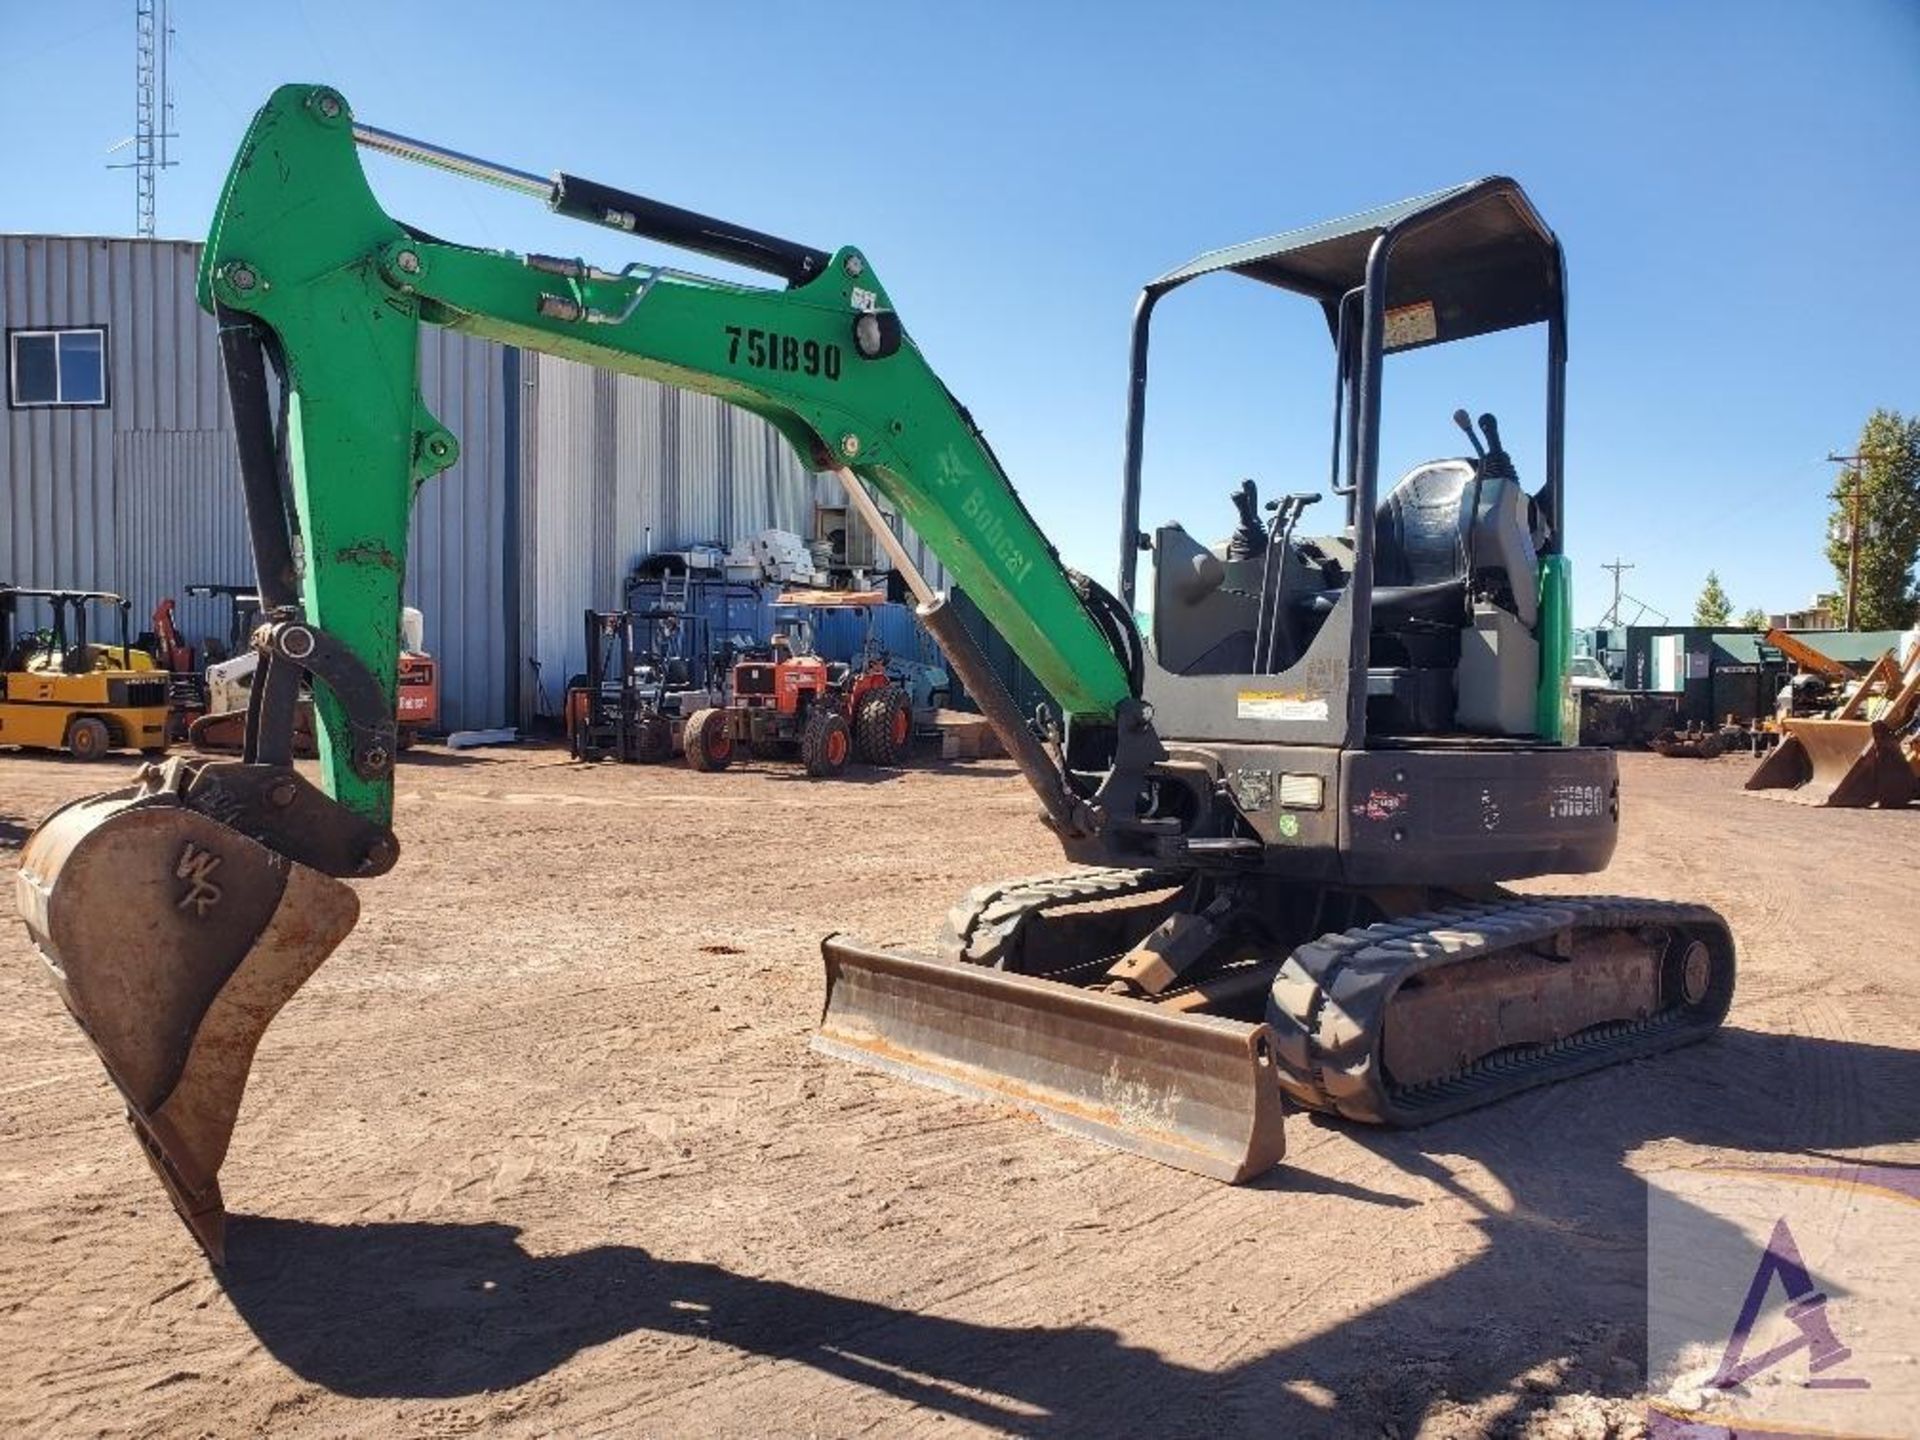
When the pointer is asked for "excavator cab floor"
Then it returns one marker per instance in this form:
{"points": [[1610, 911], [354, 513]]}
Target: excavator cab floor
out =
{"points": [[174, 940]]}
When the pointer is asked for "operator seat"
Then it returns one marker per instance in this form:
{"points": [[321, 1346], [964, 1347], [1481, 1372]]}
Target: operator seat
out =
{"points": [[1432, 524], [1455, 601], [1424, 534]]}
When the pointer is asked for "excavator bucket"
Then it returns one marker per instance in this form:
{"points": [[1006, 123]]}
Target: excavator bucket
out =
{"points": [[174, 940], [1197, 1092], [1847, 763]]}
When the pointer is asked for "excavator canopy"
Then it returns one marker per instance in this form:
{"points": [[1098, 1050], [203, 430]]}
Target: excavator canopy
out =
{"points": [[1479, 253]]}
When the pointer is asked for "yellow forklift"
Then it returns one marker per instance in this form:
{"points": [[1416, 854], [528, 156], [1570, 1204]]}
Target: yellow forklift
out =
{"points": [[61, 691]]}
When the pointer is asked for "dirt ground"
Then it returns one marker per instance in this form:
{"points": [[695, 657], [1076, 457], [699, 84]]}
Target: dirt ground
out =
{"points": [[542, 1150]]}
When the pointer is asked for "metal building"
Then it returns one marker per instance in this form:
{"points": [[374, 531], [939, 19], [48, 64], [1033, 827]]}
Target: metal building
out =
{"points": [[118, 470]]}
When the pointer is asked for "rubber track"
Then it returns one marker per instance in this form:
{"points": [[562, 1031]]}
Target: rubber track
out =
{"points": [[984, 927], [1330, 999], [1330, 996]]}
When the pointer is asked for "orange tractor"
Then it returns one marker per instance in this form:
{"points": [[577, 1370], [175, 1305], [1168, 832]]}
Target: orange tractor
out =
{"points": [[787, 702]]}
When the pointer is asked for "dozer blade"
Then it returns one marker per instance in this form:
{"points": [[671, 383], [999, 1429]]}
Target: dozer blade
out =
{"points": [[1197, 1092], [174, 940], [1845, 763]]}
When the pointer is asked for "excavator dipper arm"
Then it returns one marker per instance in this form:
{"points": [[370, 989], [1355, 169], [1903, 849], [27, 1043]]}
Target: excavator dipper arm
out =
{"points": [[226, 875]]}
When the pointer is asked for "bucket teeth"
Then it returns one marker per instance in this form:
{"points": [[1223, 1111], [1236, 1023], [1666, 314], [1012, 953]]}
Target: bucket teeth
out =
{"points": [[196, 1199], [174, 940]]}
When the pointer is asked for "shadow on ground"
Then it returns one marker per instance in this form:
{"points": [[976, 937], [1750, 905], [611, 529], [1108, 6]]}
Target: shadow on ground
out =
{"points": [[855, 773], [430, 1310], [438, 757]]}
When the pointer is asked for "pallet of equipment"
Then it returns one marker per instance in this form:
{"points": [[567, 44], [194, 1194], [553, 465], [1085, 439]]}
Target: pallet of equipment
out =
{"points": [[965, 736]]}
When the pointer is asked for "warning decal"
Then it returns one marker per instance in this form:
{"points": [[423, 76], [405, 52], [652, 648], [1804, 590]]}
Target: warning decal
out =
{"points": [[1281, 705], [1411, 325]]}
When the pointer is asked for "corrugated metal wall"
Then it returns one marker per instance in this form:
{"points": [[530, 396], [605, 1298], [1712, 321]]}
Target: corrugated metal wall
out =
{"points": [[458, 571], [567, 476], [143, 497], [60, 512], [181, 524], [682, 469]]}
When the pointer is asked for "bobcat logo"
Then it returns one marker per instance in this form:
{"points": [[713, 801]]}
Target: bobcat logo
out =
{"points": [[196, 867]]}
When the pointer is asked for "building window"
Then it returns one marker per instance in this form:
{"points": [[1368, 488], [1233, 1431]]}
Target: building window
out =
{"points": [[57, 367]]}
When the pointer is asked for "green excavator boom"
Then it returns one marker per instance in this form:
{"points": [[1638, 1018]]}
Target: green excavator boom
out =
{"points": [[300, 245]]}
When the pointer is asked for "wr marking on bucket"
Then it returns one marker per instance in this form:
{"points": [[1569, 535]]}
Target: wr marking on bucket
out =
{"points": [[196, 867]]}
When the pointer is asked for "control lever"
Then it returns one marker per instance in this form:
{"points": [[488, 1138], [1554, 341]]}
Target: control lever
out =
{"points": [[1491, 463], [1271, 617], [1461, 418], [1497, 465], [1249, 541]]}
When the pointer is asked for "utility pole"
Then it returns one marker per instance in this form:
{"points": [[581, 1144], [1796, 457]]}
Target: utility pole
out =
{"points": [[1618, 567], [1850, 484]]}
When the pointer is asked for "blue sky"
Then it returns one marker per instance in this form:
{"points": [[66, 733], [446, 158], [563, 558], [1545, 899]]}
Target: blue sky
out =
{"points": [[1734, 184]]}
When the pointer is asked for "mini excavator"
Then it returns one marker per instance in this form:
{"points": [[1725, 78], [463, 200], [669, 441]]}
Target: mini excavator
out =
{"points": [[1292, 800]]}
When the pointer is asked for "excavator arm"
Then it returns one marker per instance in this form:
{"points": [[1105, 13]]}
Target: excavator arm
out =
{"points": [[301, 255], [227, 874]]}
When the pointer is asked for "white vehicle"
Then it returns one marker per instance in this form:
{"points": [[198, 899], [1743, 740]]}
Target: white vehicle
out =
{"points": [[1586, 673], [230, 683]]}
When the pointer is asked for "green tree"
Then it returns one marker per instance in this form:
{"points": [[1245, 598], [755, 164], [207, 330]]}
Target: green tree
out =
{"points": [[1713, 607], [1754, 619], [1888, 482]]}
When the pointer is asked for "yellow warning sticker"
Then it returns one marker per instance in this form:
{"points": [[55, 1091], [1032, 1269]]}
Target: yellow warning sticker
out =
{"points": [[1281, 705], [1411, 325]]}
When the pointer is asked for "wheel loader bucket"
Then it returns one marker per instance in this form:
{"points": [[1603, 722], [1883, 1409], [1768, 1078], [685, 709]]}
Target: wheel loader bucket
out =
{"points": [[1193, 1091], [1847, 763], [174, 940]]}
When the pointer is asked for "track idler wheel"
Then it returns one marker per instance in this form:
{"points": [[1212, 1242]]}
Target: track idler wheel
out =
{"points": [[174, 940]]}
